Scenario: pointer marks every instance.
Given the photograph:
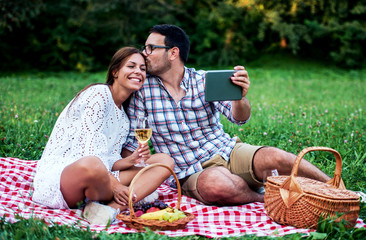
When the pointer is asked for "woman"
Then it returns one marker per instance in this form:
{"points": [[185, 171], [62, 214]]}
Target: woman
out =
{"points": [[78, 162]]}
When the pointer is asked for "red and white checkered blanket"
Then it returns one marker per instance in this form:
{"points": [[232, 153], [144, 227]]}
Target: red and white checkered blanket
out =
{"points": [[16, 177]]}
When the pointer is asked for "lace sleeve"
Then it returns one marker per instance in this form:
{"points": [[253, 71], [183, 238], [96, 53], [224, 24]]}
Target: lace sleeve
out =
{"points": [[224, 107]]}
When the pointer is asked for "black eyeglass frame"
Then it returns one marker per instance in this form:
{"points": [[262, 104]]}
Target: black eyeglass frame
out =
{"points": [[152, 48]]}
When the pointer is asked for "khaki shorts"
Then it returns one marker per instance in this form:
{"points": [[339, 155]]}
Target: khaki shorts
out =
{"points": [[240, 163]]}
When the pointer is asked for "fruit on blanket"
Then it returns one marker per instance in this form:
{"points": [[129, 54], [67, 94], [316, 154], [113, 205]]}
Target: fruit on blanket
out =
{"points": [[139, 213], [154, 215], [173, 216], [145, 206], [167, 214], [152, 209], [157, 214], [178, 214]]}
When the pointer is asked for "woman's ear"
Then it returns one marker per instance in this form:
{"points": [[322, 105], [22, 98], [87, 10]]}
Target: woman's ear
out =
{"points": [[115, 74]]}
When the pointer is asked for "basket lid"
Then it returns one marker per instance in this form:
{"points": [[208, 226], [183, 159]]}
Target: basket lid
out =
{"points": [[317, 188]]}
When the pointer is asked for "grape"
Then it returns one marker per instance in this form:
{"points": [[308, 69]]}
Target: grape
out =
{"points": [[145, 206], [157, 203]]}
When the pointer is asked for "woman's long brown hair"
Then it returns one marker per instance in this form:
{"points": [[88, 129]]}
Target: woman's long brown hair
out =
{"points": [[117, 61]]}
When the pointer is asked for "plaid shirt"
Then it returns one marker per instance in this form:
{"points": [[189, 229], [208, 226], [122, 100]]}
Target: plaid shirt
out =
{"points": [[189, 130]]}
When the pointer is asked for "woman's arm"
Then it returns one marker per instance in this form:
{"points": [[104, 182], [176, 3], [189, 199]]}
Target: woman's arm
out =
{"points": [[141, 153], [120, 191]]}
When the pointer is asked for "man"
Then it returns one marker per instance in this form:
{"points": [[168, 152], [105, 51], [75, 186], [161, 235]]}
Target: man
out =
{"points": [[212, 167]]}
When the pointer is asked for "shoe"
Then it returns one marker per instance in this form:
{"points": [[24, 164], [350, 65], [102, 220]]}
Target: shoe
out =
{"points": [[149, 198], [100, 214]]}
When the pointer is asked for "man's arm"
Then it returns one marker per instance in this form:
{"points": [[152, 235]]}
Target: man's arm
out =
{"points": [[241, 109]]}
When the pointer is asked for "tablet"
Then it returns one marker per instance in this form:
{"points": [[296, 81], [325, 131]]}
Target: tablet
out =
{"points": [[219, 87]]}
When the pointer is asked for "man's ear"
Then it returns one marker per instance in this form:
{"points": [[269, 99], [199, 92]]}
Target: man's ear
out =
{"points": [[174, 53]]}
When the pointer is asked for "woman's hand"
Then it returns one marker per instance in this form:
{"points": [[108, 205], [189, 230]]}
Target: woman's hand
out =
{"points": [[141, 153], [120, 194]]}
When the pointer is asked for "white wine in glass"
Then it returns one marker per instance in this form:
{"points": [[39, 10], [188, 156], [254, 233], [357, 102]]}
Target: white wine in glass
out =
{"points": [[143, 133]]}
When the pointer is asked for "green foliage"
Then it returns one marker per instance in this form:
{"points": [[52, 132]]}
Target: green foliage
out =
{"points": [[82, 35], [231, 37], [334, 29], [331, 229], [16, 13], [34, 228]]}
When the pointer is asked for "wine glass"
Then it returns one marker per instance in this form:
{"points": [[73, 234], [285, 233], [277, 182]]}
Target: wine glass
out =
{"points": [[143, 133], [268, 173]]}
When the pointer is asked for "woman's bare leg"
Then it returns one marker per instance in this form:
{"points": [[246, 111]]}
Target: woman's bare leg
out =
{"points": [[150, 180], [87, 177]]}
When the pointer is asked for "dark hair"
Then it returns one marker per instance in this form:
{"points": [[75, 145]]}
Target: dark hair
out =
{"points": [[117, 61], [174, 37]]}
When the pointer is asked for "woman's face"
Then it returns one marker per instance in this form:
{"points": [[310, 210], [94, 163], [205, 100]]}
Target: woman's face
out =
{"points": [[132, 74]]}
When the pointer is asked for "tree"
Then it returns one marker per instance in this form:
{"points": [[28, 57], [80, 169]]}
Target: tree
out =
{"points": [[335, 29], [83, 34]]}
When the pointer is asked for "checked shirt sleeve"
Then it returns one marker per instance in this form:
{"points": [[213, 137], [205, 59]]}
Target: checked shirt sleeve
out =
{"points": [[225, 108]]}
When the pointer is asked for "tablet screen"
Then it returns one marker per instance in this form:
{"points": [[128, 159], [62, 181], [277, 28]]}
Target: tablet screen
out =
{"points": [[219, 87]]}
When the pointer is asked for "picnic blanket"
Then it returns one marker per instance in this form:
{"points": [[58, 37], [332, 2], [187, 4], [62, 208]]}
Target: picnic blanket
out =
{"points": [[16, 177]]}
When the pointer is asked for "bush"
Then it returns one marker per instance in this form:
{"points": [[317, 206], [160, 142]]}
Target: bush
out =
{"points": [[82, 35]]}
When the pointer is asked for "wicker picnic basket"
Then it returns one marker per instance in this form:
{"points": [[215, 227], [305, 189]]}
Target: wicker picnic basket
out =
{"points": [[140, 224], [301, 202]]}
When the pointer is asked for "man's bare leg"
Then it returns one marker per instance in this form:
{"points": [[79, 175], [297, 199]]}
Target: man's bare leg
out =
{"points": [[218, 185], [268, 158]]}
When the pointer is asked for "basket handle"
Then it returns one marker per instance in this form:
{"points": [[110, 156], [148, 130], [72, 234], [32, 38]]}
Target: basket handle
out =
{"points": [[290, 189], [132, 212], [336, 180]]}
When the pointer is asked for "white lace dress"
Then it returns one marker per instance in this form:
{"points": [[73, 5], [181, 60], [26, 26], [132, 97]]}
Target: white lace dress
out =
{"points": [[92, 126]]}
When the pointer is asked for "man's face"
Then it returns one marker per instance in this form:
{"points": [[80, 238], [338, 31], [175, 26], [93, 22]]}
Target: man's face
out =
{"points": [[157, 62]]}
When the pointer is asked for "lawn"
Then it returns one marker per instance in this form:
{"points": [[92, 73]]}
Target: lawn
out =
{"points": [[295, 104]]}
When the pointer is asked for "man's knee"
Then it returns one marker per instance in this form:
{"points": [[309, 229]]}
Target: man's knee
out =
{"points": [[273, 158], [212, 183], [284, 160]]}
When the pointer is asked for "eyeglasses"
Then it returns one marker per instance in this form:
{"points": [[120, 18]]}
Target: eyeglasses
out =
{"points": [[150, 48]]}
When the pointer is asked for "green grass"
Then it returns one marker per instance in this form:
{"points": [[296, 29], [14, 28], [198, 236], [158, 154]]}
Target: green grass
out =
{"points": [[295, 104], [29, 106]]}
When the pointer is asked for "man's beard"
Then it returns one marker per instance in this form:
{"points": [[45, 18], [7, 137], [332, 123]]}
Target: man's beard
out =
{"points": [[157, 71]]}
